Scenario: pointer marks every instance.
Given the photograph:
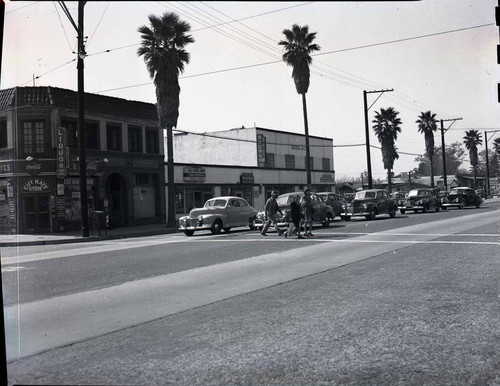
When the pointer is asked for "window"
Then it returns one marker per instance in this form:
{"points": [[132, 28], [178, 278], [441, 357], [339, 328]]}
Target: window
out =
{"points": [[325, 163], [142, 179], [289, 161], [3, 134], [152, 141], [71, 127], [114, 136], [134, 139], [33, 136], [93, 135], [269, 160], [311, 162]]}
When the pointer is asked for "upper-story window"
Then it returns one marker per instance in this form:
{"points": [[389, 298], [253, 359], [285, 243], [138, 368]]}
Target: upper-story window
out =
{"points": [[152, 141], [114, 136], [91, 131], [289, 161], [269, 160], [34, 137], [326, 163], [3, 134], [135, 138]]}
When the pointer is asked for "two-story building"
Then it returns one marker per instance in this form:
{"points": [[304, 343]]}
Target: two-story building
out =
{"points": [[39, 163], [249, 163]]}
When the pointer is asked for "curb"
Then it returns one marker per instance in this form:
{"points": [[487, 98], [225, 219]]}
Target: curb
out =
{"points": [[79, 239]]}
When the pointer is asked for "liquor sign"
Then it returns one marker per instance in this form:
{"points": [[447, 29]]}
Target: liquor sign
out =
{"points": [[194, 174], [36, 185], [261, 149], [61, 138], [247, 178]]}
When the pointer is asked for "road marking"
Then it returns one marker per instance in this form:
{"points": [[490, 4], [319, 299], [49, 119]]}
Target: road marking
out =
{"points": [[13, 269]]}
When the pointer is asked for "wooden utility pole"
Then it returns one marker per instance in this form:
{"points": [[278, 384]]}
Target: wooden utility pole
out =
{"points": [[443, 148]]}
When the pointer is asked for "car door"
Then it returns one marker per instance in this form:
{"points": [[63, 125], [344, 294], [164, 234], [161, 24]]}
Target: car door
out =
{"points": [[382, 202], [232, 213], [317, 207], [244, 213]]}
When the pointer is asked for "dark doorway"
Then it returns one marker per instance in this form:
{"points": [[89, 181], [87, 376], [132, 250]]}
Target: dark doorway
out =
{"points": [[37, 214], [117, 194]]}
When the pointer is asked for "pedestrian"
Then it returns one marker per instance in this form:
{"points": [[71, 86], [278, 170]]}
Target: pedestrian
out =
{"points": [[306, 207], [294, 218], [271, 210]]}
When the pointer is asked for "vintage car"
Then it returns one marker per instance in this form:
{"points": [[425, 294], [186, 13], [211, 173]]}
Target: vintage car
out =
{"points": [[219, 213], [420, 199], [461, 197], [443, 197], [333, 200], [322, 213], [370, 203]]}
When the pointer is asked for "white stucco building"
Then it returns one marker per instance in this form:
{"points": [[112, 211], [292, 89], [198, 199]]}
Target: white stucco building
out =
{"points": [[247, 162]]}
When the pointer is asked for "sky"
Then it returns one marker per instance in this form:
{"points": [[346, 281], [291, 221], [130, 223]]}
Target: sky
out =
{"points": [[435, 55]]}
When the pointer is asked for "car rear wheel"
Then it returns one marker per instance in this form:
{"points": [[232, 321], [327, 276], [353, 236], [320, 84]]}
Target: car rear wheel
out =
{"points": [[216, 227], [393, 213], [402, 211], [252, 227], [437, 207], [189, 232], [424, 210], [326, 223]]}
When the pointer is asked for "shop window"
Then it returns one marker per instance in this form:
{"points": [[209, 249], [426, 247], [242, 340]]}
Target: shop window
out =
{"points": [[152, 141], [71, 127], [289, 161], [114, 136], [143, 179], [34, 138], [3, 134], [326, 163], [269, 160], [134, 139]]}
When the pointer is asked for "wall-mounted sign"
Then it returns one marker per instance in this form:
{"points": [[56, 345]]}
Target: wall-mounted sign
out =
{"points": [[36, 185], [194, 174], [6, 167], [326, 178], [261, 149], [247, 178], [33, 168], [298, 147], [61, 167]]}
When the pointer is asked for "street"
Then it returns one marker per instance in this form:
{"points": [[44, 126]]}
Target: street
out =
{"points": [[410, 300]]}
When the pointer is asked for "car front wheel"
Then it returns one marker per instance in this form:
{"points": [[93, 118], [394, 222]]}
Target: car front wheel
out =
{"points": [[189, 232], [402, 211], [216, 227], [461, 204], [372, 215]]}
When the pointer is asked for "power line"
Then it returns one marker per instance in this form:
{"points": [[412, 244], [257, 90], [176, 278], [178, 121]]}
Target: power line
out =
{"points": [[98, 24], [17, 9]]}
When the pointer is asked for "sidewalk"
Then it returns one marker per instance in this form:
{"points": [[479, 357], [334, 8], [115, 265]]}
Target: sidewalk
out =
{"points": [[76, 236]]}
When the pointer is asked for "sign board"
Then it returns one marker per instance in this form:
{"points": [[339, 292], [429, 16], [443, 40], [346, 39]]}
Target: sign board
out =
{"points": [[299, 147], [194, 174], [6, 167], [61, 140], [261, 149], [326, 178], [35, 185], [247, 178]]}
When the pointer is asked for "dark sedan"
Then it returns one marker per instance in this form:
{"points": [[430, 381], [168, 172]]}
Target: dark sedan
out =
{"points": [[370, 203], [420, 199], [461, 197]]}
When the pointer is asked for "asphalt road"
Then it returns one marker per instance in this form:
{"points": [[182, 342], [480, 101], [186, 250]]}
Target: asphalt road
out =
{"points": [[411, 300]]}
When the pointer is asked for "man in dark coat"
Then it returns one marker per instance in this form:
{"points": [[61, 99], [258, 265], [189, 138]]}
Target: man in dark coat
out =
{"points": [[294, 218], [271, 210]]}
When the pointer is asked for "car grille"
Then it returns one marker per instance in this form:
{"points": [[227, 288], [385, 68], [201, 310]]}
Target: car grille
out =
{"points": [[193, 222]]}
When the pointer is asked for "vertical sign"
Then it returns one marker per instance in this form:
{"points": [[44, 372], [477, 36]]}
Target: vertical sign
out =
{"points": [[61, 170], [261, 150]]}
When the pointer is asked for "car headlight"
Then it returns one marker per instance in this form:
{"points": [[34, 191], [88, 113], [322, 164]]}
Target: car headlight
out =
{"points": [[364, 206], [200, 220]]}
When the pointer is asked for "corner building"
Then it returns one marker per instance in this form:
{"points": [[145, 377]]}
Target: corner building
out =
{"points": [[39, 161], [248, 163]]}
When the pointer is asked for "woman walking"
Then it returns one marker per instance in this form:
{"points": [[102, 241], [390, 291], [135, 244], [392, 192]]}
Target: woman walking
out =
{"points": [[294, 218], [307, 211]]}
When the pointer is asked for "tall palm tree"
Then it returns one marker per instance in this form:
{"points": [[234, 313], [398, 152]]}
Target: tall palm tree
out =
{"points": [[162, 47], [298, 47], [427, 125], [472, 140], [386, 127]]}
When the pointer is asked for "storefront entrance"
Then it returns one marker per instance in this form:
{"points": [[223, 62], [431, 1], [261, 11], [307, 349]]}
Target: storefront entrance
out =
{"points": [[37, 214], [117, 193]]}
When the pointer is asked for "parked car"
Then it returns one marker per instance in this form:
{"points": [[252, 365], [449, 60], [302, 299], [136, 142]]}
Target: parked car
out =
{"points": [[420, 199], [333, 200], [443, 197], [322, 212], [219, 213], [461, 197], [370, 203]]}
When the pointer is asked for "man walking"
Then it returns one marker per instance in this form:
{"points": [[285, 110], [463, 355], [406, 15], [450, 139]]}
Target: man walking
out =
{"points": [[271, 210]]}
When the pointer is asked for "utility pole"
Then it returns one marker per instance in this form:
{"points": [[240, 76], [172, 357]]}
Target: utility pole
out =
{"points": [[81, 114], [443, 148], [487, 161], [367, 132]]}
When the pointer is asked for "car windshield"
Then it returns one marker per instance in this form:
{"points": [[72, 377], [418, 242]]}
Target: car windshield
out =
{"points": [[415, 192], [363, 195], [217, 203], [459, 191]]}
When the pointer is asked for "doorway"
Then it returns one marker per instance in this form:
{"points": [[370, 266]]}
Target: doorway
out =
{"points": [[37, 214], [117, 193]]}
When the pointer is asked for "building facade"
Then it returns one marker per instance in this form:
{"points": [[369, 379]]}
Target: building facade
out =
{"points": [[248, 163], [39, 161]]}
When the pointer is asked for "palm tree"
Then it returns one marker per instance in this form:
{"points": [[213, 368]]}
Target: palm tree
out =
{"points": [[472, 139], [298, 47], [162, 47], [386, 127], [427, 125]]}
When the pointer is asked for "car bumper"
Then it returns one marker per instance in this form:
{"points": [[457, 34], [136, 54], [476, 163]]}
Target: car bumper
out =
{"points": [[354, 214], [411, 207]]}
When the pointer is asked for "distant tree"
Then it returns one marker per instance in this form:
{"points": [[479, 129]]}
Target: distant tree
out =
{"points": [[298, 48], [472, 139], [427, 125], [454, 158], [162, 47], [387, 126], [496, 146]]}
